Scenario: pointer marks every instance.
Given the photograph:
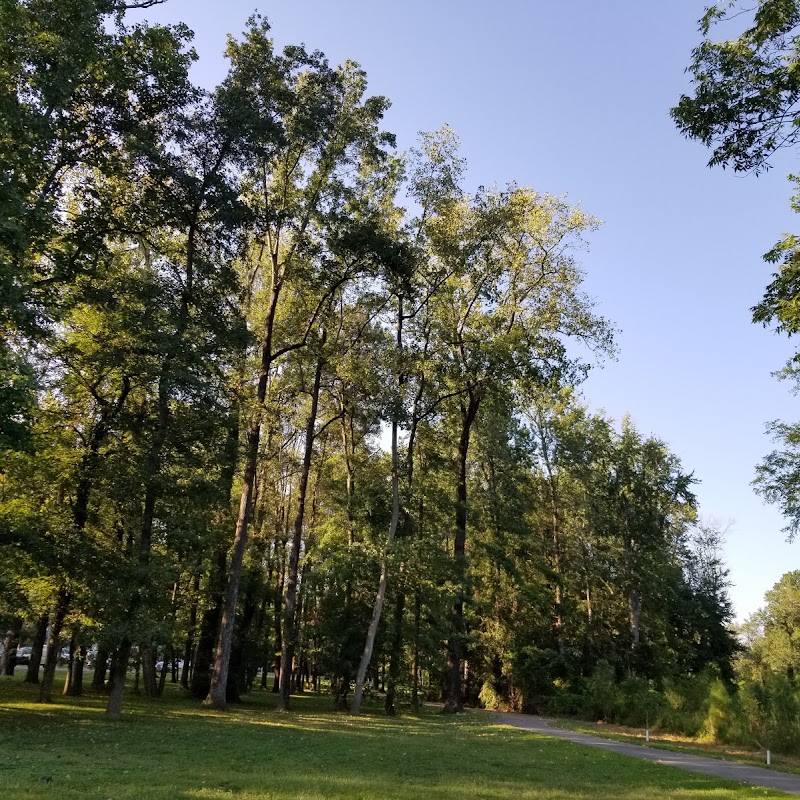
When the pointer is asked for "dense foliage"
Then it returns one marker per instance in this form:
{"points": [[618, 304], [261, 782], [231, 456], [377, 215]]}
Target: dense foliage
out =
{"points": [[258, 416]]}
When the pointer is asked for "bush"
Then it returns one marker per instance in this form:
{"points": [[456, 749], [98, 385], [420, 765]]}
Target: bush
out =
{"points": [[723, 715], [601, 693], [771, 712], [493, 700], [639, 704], [686, 703]]}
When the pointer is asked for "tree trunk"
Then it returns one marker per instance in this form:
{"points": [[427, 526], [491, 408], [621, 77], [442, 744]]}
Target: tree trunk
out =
{"points": [[188, 650], [165, 666], [100, 672], [558, 600], [37, 648], [287, 652], [217, 693], [209, 628], [347, 447], [396, 655], [73, 646], [415, 663], [219, 680], [635, 610], [119, 673], [10, 645], [377, 608], [149, 673], [298, 684], [59, 615], [78, 662], [277, 615], [100, 668], [453, 702]]}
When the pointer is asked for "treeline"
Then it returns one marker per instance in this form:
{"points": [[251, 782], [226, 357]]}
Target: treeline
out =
{"points": [[276, 398], [760, 709]]}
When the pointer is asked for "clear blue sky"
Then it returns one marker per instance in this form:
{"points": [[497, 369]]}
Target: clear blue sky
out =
{"points": [[572, 98]]}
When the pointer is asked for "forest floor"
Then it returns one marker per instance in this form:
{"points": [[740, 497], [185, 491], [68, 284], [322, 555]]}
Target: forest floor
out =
{"points": [[174, 749]]}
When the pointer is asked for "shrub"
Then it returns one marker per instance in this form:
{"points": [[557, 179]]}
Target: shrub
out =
{"points": [[601, 692]]}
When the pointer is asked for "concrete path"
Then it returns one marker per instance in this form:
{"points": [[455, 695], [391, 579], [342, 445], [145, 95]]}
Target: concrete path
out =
{"points": [[732, 770]]}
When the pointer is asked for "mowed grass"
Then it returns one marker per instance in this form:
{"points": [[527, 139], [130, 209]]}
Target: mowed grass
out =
{"points": [[173, 749]]}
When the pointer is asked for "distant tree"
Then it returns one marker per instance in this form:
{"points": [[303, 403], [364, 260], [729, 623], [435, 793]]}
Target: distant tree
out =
{"points": [[778, 647]]}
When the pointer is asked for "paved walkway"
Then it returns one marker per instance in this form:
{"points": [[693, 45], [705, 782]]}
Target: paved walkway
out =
{"points": [[732, 770]]}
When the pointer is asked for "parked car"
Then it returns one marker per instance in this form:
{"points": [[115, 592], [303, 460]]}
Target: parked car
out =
{"points": [[160, 664], [23, 655]]}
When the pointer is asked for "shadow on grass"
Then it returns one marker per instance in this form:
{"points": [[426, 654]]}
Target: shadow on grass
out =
{"points": [[173, 749]]}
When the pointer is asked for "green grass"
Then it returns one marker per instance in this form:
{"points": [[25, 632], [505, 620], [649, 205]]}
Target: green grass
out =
{"points": [[172, 749]]}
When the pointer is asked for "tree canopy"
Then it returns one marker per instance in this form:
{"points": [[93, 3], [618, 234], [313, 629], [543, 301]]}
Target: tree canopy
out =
{"points": [[218, 307]]}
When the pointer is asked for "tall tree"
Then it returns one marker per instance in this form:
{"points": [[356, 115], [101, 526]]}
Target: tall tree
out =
{"points": [[513, 299], [304, 127]]}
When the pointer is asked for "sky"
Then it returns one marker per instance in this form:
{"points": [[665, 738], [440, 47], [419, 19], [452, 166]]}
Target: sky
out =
{"points": [[573, 98]]}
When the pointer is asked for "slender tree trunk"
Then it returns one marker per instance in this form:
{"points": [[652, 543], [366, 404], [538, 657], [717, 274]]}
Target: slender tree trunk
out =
{"points": [[377, 608], [76, 687], [469, 410], [73, 647], [301, 596], [162, 678], [100, 668], [78, 663], [347, 421], [277, 616], [415, 662], [558, 600], [635, 610], [260, 644], [588, 606], [209, 627], [287, 652], [217, 693], [37, 648], [396, 655], [372, 632], [188, 650], [10, 645], [219, 679], [59, 615]]}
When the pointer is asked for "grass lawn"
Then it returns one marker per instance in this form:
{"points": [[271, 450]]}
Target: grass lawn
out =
{"points": [[172, 749]]}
